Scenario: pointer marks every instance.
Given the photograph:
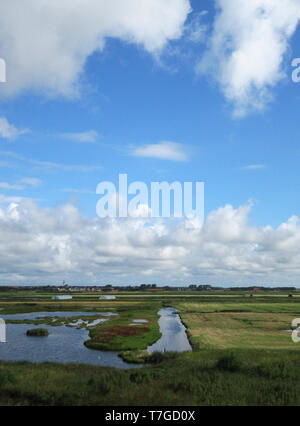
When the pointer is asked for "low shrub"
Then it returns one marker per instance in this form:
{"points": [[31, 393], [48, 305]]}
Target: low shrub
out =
{"points": [[37, 332], [230, 363]]}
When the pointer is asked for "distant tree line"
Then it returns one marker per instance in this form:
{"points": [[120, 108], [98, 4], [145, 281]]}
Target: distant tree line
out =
{"points": [[142, 287]]}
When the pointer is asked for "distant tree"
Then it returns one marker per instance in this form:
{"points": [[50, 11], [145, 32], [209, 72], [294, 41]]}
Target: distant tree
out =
{"points": [[193, 287]]}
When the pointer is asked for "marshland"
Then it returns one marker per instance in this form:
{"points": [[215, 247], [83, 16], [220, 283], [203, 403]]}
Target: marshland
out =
{"points": [[231, 349]]}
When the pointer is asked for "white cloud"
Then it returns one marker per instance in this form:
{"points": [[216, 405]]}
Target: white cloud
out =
{"points": [[51, 244], [16, 187], [247, 48], [9, 131], [90, 136], [196, 30], [35, 182], [164, 150], [21, 184], [46, 44], [254, 167], [50, 165], [4, 200], [7, 164], [78, 191]]}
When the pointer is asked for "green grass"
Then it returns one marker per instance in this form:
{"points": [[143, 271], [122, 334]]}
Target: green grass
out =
{"points": [[118, 335], [114, 335], [56, 321], [241, 355], [187, 379]]}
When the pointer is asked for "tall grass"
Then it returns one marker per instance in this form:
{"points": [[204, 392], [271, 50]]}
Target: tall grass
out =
{"points": [[185, 379]]}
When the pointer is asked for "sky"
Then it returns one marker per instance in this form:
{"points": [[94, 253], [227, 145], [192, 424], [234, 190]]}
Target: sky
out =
{"points": [[162, 90]]}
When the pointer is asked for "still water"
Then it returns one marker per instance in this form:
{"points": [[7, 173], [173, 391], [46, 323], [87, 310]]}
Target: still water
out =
{"points": [[174, 337], [66, 344]]}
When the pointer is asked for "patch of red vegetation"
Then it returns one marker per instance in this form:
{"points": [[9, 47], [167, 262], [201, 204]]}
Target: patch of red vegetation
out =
{"points": [[121, 330]]}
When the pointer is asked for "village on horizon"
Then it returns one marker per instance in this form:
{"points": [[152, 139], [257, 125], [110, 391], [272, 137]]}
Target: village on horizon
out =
{"points": [[142, 287]]}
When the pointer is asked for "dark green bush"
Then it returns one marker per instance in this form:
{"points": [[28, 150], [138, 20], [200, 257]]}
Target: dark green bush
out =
{"points": [[37, 332]]}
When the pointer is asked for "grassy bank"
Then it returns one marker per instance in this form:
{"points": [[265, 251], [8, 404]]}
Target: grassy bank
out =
{"points": [[118, 334]]}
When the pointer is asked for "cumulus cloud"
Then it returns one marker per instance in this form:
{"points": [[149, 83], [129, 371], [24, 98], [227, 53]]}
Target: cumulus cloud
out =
{"points": [[9, 131], [51, 244], [163, 150], [247, 48], [46, 43]]}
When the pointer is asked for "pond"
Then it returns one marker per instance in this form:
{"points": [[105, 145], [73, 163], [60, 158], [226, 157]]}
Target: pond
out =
{"points": [[107, 297], [64, 344], [37, 315], [65, 297], [174, 337]]}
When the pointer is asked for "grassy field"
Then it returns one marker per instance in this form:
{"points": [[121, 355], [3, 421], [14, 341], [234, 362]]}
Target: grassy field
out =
{"points": [[261, 324], [242, 353]]}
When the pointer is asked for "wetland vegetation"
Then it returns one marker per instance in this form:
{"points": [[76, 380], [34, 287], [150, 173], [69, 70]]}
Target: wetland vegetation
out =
{"points": [[37, 332], [241, 354]]}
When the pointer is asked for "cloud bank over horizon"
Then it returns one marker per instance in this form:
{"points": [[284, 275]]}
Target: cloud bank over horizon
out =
{"points": [[48, 245]]}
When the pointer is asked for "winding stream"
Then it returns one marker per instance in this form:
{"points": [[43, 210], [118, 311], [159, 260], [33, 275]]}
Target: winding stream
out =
{"points": [[174, 337]]}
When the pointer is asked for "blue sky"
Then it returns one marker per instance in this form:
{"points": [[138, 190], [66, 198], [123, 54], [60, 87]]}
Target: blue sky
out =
{"points": [[61, 134]]}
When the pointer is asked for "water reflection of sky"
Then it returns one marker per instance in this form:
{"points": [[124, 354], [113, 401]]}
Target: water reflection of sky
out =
{"points": [[174, 337], [64, 344], [37, 315]]}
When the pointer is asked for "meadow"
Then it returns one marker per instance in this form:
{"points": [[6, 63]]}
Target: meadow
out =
{"points": [[242, 352]]}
